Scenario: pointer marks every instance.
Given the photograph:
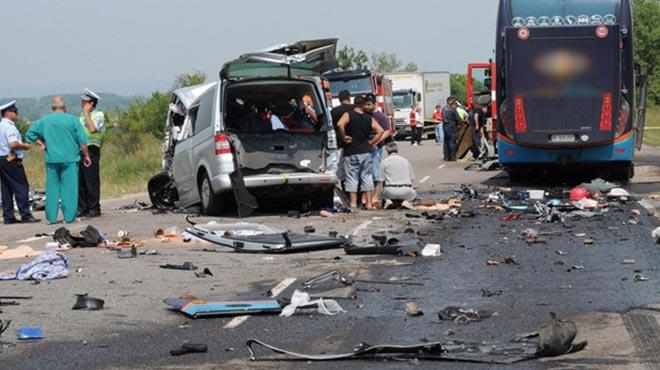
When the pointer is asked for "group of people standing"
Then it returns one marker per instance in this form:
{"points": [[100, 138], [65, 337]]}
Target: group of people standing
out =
{"points": [[452, 116], [364, 131], [72, 152]]}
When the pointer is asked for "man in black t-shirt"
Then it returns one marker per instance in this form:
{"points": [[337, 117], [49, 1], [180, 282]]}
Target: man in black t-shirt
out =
{"points": [[355, 128], [336, 113]]}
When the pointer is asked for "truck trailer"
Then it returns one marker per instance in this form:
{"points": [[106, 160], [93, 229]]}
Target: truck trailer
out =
{"points": [[420, 89]]}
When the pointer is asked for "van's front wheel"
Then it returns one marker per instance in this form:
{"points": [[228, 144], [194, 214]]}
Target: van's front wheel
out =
{"points": [[210, 202]]}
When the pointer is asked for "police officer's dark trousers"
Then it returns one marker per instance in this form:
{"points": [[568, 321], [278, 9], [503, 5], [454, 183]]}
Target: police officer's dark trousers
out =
{"points": [[14, 184], [451, 142], [89, 185]]}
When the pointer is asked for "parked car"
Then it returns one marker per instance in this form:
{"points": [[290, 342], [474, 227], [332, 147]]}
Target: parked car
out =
{"points": [[266, 118]]}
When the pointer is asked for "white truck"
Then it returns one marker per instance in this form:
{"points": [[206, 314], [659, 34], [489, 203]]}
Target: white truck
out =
{"points": [[420, 89]]}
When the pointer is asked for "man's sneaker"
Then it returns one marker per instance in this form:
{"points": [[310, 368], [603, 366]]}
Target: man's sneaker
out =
{"points": [[11, 221]]}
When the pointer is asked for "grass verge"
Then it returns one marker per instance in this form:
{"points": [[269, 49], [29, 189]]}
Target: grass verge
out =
{"points": [[652, 131]]}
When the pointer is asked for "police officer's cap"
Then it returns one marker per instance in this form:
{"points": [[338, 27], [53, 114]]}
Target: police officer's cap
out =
{"points": [[11, 106], [89, 95]]}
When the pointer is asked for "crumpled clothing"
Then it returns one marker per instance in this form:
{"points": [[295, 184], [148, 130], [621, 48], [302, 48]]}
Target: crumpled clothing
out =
{"points": [[303, 300], [49, 265]]}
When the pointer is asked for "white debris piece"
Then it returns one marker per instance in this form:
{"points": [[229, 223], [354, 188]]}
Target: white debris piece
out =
{"points": [[432, 250], [303, 300]]}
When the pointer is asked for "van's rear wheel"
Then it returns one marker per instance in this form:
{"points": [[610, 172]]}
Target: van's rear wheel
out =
{"points": [[210, 202]]}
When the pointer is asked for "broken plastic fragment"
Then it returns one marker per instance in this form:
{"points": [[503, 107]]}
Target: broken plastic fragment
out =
{"points": [[303, 300]]}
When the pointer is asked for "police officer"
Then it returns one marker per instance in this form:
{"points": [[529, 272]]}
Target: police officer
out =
{"points": [[12, 173], [89, 184]]}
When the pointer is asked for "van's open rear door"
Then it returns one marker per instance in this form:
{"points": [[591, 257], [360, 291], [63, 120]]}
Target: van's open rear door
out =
{"points": [[303, 58]]}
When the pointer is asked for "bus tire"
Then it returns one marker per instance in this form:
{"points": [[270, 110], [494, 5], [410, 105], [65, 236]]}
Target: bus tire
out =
{"points": [[516, 175], [623, 172]]}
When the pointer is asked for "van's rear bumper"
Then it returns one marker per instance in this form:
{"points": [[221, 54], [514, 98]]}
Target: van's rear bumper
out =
{"points": [[619, 151], [293, 179]]}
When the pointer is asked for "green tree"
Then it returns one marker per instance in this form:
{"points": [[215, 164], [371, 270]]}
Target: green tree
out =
{"points": [[647, 39], [458, 86], [410, 67], [349, 58], [189, 79], [386, 62]]}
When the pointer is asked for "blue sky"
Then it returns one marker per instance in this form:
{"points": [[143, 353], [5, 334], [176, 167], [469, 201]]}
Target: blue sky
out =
{"points": [[137, 46]]}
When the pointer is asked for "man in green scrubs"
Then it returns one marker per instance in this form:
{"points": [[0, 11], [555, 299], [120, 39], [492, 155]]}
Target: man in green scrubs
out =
{"points": [[62, 138]]}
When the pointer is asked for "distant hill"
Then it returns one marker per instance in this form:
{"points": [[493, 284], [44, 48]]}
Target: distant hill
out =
{"points": [[33, 109]]}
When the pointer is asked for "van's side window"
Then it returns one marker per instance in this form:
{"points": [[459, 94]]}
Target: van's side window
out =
{"points": [[204, 115]]}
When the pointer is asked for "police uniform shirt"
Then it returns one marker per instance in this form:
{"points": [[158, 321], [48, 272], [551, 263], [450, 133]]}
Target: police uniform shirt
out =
{"points": [[9, 134], [98, 117]]}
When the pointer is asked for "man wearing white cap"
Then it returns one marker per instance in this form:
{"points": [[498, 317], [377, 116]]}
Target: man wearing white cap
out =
{"points": [[89, 184], [12, 174]]}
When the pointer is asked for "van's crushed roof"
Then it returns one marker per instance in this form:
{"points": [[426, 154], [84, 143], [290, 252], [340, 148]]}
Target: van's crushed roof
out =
{"points": [[187, 95]]}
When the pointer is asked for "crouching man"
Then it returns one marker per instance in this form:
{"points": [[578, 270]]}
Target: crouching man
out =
{"points": [[398, 175]]}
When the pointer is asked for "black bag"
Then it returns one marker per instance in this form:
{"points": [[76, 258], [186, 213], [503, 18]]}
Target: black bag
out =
{"points": [[90, 237]]}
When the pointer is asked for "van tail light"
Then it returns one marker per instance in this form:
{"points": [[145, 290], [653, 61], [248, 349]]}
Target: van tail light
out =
{"points": [[624, 114], [222, 145], [606, 113], [520, 119], [332, 139]]}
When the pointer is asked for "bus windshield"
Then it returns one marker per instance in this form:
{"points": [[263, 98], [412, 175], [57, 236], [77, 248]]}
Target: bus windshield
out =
{"points": [[355, 86], [402, 100], [539, 13]]}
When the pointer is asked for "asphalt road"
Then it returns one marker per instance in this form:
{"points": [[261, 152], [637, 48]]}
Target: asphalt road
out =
{"points": [[136, 330]]}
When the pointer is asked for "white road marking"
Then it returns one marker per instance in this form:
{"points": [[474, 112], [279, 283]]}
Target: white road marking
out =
{"points": [[236, 321], [425, 179], [441, 166], [279, 288]]}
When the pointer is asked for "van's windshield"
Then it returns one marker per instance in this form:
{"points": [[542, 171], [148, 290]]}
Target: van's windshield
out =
{"points": [[262, 107], [539, 13]]}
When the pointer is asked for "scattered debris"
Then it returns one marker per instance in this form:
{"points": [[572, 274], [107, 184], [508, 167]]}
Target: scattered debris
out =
{"points": [[511, 217], [656, 235], [639, 277], [86, 237], [599, 185], [332, 275], [309, 229], [463, 315], [127, 252], [511, 260], [628, 261], [85, 302], [432, 250], [188, 266], [189, 348], [47, 266], [204, 306], [29, 333], [301, 300], [204, 273], [256, 238], [413, 309], [490, 293], [560, 252], [491, 263], [557, 337]]}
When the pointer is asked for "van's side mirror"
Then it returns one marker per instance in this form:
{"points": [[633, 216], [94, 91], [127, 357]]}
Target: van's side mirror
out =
{"points": [[419, 97]]}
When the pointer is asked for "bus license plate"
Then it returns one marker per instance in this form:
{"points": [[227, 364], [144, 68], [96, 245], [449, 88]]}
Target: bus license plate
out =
{"points": [[562, 138]]}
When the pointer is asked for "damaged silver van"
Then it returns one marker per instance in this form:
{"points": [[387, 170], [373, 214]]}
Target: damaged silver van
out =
{"points": [[265, 127]]}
